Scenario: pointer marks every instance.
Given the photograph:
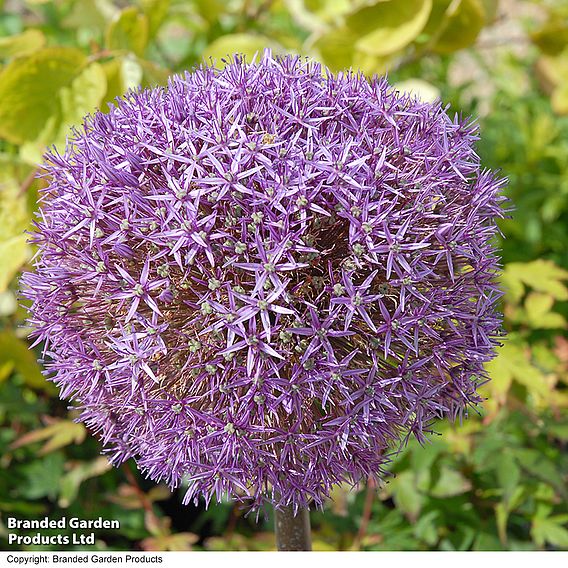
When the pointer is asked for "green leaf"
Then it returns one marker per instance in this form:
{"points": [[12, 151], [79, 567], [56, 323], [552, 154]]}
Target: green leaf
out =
{"points": [[42, 477], [405, 494], [326, 10], [30, 88], [23, 508], [487, 541], [15, 351], [370, 64], [456, 24], [388, 26], [248, 45], [71, 482], [537, 305], [422, 459], [541, 467], [21, 44], [504, 508], [426, 529], [20, 405], [6, 369], [559, 431], [128, 31], [508, 474], [450, 483], [550, 529]]}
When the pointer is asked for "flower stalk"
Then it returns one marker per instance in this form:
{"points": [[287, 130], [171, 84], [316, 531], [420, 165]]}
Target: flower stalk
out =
{"points": [[293, 532]]}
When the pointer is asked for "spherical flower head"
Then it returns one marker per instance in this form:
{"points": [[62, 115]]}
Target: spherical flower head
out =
{"points": [[260, 280]]}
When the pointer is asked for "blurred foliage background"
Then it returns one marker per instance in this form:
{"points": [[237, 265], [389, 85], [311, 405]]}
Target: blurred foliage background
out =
{"points": [[497, 481]]}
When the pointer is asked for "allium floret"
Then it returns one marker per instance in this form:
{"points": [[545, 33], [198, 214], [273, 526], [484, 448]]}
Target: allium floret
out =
{"points": [[261, 279]]}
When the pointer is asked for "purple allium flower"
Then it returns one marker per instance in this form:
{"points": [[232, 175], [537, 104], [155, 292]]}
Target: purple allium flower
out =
{"points": [[261, 279]]}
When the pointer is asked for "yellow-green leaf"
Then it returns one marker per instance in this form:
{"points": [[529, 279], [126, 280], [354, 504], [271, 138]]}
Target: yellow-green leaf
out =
{"points": [[552, 37], [459, 24], [6, 369], [153, 74], [21, 44], [58, 434], [318, 14], [491, 8], [501, 518], [83, 96], [8, 303], [170, 542], [128, 31], [248, 45], [210, 10], [418, 87], [130, 497], [14, 220], [328, 10], [29, 90], [370, 64], [90, 14], [156, 12], [551, 529], [15, 351], [122, 73], [540, 275], [129, 72], [337, 48], [559, 99], [553, 69], [513, 364], [538, 307], [387, 27]]}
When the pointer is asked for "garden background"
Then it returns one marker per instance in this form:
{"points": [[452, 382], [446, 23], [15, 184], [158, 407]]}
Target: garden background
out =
{"points": [[497, 481]]}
